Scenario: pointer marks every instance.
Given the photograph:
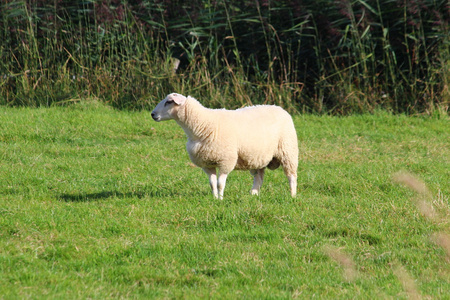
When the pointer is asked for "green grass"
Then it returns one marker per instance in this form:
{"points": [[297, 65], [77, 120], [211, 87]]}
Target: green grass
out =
{"points": [[99, 203]]}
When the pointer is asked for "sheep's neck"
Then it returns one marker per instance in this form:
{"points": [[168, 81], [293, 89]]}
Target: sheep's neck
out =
{"points": [[197, 122]]}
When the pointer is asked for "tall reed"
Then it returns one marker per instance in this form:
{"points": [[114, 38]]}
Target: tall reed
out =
{"points": [[318, 56]]}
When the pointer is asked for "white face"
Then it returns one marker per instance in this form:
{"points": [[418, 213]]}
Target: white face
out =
{"points": [[167, 108], [164, 110]]}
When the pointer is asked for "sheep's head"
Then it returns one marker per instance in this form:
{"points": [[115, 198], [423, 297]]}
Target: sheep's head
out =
{"points": [[167, 108]]}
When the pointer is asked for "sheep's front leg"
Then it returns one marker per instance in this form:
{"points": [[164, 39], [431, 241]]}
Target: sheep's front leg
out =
{"points": [[258, 177], [211, 172], [221, 183]]}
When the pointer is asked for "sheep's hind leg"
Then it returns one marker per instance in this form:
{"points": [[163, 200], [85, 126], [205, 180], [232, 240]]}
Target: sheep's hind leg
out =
{"points": [[293, 184], [290, 170], [211, 172], [258, 177]]}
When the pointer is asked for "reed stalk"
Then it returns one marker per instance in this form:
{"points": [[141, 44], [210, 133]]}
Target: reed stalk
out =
{"points": [[322, 56]]}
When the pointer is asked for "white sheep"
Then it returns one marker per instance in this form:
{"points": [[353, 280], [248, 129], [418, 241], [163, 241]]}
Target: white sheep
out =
{"points": [[250, 138]]}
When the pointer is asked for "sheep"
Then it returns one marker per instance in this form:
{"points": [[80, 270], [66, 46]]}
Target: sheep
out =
{"points": [[250, 138]]}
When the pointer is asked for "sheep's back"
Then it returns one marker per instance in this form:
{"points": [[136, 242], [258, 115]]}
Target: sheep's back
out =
{"points": [[263, 121]]}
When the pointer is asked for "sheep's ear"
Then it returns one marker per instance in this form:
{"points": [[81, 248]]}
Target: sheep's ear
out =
{"points": [[178, 98]]}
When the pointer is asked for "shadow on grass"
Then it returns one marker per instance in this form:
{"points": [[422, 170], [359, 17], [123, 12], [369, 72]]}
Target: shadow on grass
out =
{"points": [[87, 197]]}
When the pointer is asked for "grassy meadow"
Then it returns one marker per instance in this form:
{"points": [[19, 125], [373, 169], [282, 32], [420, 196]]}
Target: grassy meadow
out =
{"points": [[100, 203]]}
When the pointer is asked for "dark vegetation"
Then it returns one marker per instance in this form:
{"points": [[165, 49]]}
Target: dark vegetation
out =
{"points": [[319, 56]]}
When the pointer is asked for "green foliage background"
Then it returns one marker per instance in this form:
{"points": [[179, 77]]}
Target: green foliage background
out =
{"points": [[316, 56]]}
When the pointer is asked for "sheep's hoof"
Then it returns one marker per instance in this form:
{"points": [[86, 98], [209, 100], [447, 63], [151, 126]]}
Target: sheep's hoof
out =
{"points": [[254, 192]]}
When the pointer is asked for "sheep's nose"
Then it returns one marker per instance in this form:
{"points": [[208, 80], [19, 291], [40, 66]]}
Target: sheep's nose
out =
{"points": [[156, 117]]}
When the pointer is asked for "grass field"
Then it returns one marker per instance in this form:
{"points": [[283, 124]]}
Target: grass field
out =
{"points": [[99, 203]]}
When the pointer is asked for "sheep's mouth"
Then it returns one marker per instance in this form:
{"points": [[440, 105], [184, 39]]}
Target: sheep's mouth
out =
{"points": [[156, 118]]}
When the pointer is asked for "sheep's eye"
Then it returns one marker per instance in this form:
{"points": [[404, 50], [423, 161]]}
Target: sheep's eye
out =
{"points": [[168, 102]]}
